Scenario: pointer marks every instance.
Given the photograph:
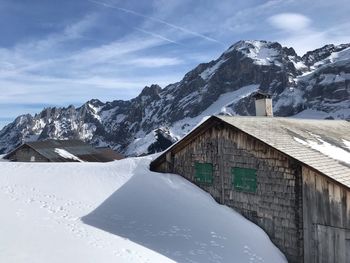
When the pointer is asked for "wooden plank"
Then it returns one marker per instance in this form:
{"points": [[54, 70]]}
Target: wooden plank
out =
{"points": [[306, 214], [309, 214]]}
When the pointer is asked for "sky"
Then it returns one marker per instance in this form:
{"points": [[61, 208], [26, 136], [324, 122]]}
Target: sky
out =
{"points": [[57, 53]]}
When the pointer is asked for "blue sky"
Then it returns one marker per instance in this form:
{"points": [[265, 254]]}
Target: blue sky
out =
{"points": [[56, 53]]}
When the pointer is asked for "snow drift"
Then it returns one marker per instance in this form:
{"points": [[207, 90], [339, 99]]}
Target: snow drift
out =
{"points": [[118, 212]]}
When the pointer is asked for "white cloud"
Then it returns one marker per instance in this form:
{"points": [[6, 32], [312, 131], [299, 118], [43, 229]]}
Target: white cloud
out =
{"points": [[297, 31], [29, 89], [290, 21], [249, 19], [312, 39]]}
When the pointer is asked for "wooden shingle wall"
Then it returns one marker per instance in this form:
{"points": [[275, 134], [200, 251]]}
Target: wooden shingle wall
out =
{"points": [[277, 204], [25, 154]]}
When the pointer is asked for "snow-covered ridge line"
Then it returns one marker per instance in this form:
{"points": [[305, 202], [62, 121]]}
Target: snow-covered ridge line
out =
{"points": [[316, 84]]}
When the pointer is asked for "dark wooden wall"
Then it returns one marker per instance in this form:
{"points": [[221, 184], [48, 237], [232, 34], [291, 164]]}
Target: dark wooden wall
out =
{"points": [[277, 204], [326, 213], [25, 154]]}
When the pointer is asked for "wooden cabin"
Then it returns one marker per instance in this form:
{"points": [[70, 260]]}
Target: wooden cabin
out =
{"points": [[61, 151], [289, 176]]}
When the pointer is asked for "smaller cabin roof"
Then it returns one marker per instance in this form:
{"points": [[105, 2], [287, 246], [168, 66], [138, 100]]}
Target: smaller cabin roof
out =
{"points": [[66, 151], [108, 152]]}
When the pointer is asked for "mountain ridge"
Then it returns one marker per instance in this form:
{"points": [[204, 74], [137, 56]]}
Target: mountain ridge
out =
{"points": [[318, 82]]}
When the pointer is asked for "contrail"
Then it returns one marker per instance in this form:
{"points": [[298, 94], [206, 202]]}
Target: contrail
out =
{"points": [[156, 20], [156, 35]]}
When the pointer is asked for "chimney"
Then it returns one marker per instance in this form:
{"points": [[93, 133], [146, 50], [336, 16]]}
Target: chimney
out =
{"points": [[263, 104]]}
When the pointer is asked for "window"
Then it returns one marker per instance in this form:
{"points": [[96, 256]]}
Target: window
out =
{"points": [[244, 179], [203, 173]]}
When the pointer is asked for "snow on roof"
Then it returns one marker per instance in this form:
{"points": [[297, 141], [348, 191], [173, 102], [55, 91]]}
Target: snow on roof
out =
{"points": [[67, 155], [327, 149], [320, 144]]}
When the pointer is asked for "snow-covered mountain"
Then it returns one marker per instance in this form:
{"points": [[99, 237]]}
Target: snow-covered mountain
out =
{"points": [[315, 85]]}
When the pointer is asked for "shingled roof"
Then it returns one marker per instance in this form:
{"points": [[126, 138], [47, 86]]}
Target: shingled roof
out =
{"points": [[67, 151], [323, 145], [110, 153]]}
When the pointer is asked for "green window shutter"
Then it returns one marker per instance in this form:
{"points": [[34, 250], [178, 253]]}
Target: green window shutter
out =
{"points": [[244, 179], [203, 173]]}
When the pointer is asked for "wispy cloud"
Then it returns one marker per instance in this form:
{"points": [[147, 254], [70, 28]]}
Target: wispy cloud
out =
{"points": [[31, 72], [157, 36], [87, 61], [40, 53], [298, 31], [70, 33], [114, 50], [153, 62], [160, 21], [249, 19], [73, 90]]}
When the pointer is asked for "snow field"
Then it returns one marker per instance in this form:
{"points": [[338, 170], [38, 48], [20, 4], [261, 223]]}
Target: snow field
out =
{"points": [[118, 212]]}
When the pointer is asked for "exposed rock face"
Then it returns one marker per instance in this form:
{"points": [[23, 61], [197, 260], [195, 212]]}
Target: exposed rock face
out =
{"points": [[320, 54], [315, 85]]}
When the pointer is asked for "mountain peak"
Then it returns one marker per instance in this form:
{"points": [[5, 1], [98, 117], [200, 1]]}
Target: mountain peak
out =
{"points": [[95, 103], [150, 92], [249, 44], [263, 52], [223, 85]]}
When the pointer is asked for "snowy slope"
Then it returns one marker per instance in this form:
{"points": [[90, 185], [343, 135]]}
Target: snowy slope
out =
{"points": [[180, 128], [118, 212]]}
